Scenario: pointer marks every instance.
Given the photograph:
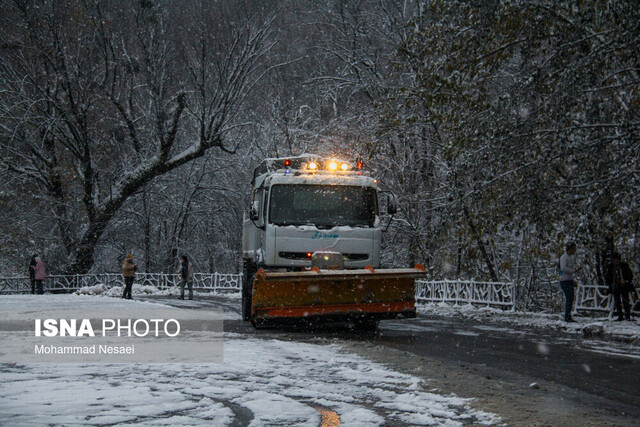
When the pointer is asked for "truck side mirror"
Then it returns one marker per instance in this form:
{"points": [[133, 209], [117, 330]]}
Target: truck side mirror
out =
{"points": [[254, 211], [392, 204]]}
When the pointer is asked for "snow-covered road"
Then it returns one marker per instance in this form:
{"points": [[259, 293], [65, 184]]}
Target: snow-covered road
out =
{"points": [[261, 382]]}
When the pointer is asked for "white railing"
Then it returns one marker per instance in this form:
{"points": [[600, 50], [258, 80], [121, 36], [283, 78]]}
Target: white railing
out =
{"points": [[69, 283], [504, 295], [597, 298], [593, 298], [498, 294], [14, 285], [492, 294]]}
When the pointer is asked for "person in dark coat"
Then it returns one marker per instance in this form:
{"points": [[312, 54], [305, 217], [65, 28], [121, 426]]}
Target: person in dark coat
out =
{"points": [[619, 278], [129, 274], [186, 276], [32, 273]]}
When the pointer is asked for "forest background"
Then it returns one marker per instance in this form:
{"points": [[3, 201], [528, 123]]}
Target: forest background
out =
{"points": [[506, 128]]}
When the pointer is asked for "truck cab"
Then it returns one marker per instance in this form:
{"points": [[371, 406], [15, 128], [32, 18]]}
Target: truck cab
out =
{"points": [[310, 204]]}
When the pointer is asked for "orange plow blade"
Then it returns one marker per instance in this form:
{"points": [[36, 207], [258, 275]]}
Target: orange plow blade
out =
{"points": [[377, 294]]}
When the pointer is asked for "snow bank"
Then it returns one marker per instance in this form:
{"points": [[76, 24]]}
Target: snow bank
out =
{"points": [[98, 289], [101, 289], [116, 291], [599, 327]]}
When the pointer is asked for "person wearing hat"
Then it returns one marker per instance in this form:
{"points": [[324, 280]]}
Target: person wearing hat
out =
{"points": [[619, 278], [129, 274]]}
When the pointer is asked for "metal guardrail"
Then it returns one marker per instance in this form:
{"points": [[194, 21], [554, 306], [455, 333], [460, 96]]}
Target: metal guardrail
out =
{"points": [[71, 283], [498, 294], [15, 285]]}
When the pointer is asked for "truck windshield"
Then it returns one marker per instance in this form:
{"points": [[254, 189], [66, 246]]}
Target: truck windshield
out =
{"points": [[322, 205]]}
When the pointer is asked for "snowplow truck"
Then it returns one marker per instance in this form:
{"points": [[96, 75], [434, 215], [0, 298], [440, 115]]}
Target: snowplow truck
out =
{"points": [[311, 246]]}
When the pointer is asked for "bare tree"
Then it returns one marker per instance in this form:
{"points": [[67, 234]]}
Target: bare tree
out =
{"points": [[98, 99]]}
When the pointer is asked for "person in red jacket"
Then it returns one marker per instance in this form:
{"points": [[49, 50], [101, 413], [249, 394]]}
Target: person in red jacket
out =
{"points": [[39, 275]]}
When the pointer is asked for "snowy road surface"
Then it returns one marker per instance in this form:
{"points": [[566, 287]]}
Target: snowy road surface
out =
{"points": [[263, 381], [495, 357], [410, 372]]}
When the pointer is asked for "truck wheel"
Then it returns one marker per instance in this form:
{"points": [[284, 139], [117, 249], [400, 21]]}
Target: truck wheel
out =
{"points": [[256, 323], [247, 290], [262, 323], [366, 325]]}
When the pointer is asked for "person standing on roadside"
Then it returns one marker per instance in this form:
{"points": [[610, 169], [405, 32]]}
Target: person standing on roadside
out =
{"points": [[619, 278], [39, 275], [129, 274], [32, 273], [567, 283], [186, 276]]}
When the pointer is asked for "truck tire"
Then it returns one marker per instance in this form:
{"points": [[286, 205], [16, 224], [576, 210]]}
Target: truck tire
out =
{"points": [[258, 324], [249, 272], [366, 324]]}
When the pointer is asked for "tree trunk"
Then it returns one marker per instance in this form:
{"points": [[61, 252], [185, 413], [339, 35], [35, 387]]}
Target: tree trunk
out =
{"points": [[86, 248], [147, 232], [483, 250]]}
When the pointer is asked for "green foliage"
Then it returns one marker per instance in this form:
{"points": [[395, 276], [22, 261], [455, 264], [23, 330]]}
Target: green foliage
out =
{"points": [[526, 109]]}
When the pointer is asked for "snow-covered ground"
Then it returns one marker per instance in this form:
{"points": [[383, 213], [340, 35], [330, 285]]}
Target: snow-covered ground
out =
{"points": [[264, 382], [33, 303], [591, 327]]}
